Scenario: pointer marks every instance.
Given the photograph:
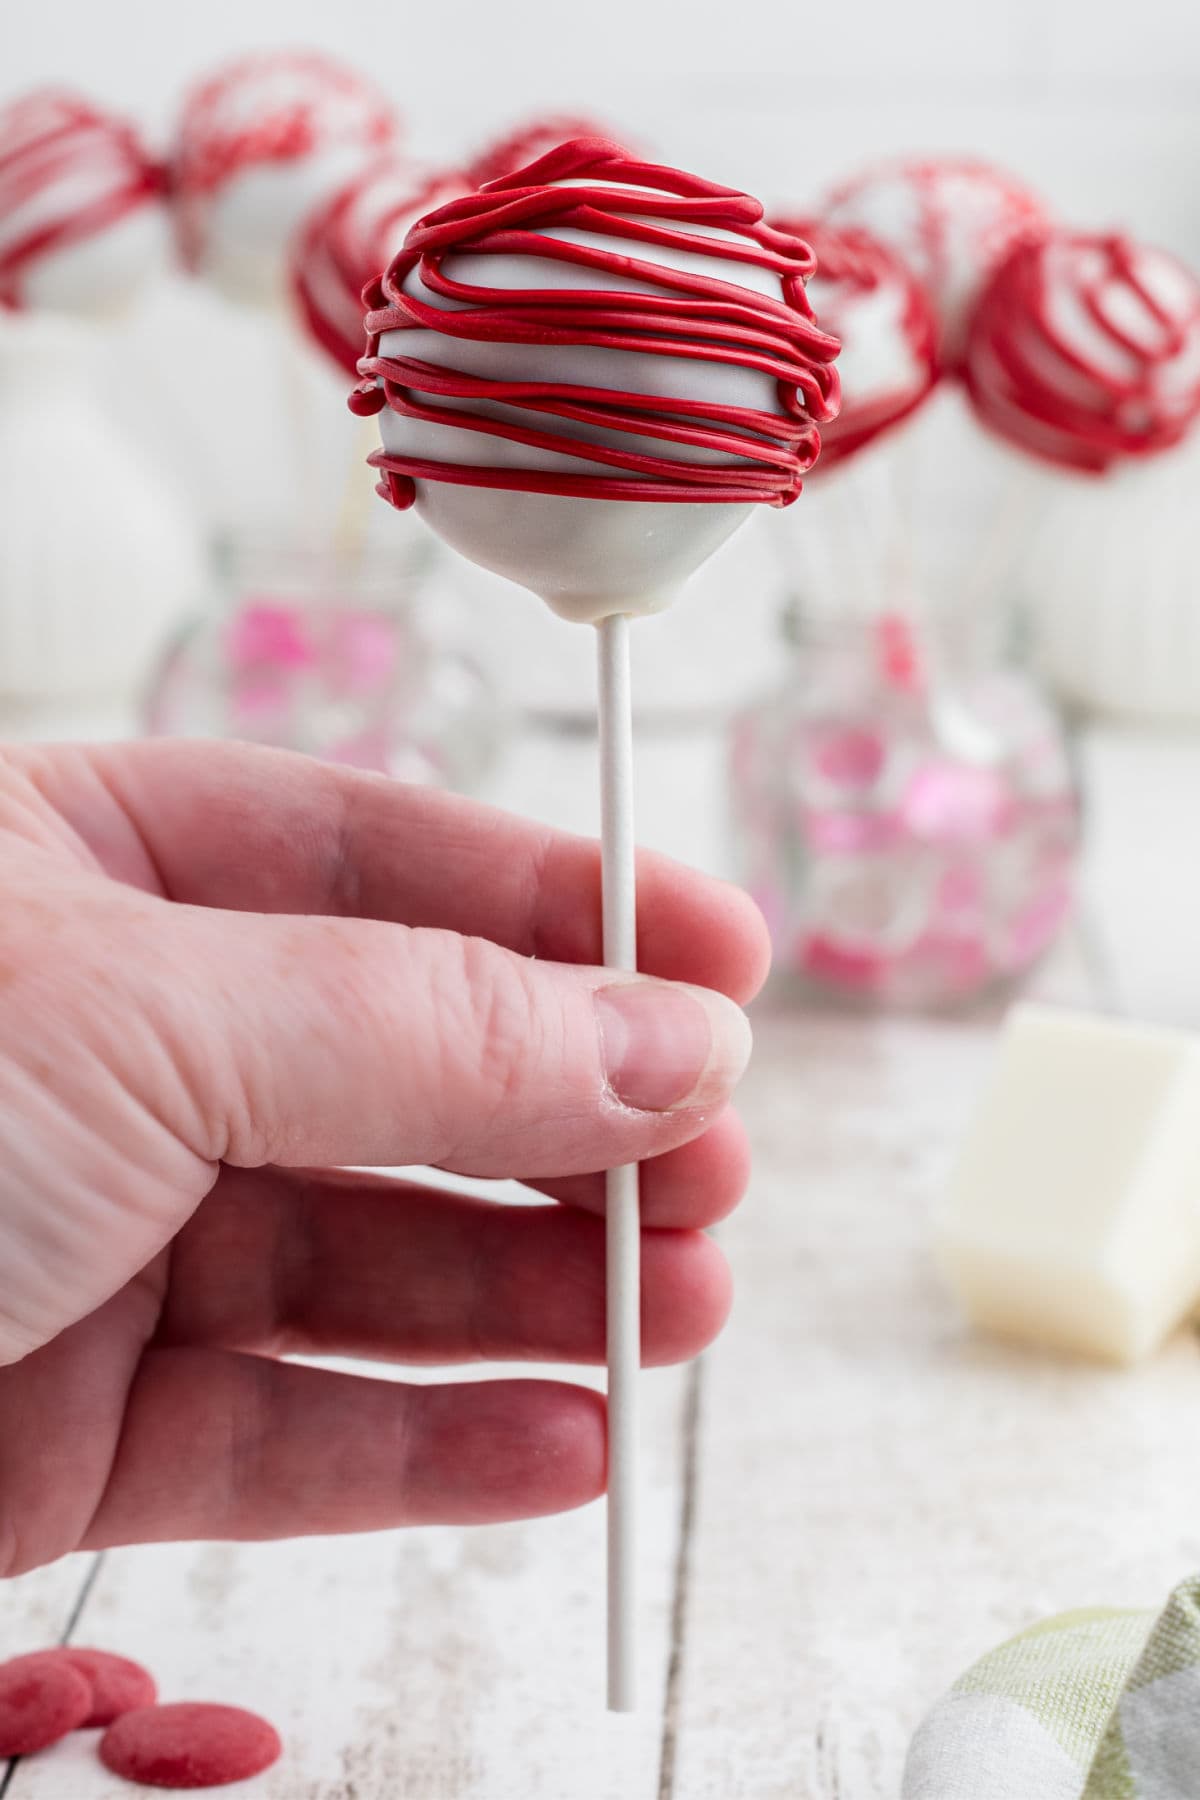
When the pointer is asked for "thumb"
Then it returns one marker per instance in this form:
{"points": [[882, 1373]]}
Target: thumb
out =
{"points": [[351, 1041]]}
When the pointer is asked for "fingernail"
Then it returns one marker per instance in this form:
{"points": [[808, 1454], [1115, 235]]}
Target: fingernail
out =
{"points": [[666, 1046]]}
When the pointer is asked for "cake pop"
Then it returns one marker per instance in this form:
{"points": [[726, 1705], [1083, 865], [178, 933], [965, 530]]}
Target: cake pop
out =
{"points": [[866, 298], [950, 220], [517, 149], [260, 143], [353, 235], [586, 376], [81, 220], [1085, 350], [526, 362]]}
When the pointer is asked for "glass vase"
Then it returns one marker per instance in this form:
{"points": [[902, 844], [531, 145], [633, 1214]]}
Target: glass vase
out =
{"points": [[905, 812], [344, 657]]}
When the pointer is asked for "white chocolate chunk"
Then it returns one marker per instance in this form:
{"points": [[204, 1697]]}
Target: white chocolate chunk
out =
{"points": [[1073, 1213]]}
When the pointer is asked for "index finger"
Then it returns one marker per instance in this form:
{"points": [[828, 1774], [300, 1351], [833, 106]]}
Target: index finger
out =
{"points": [[255, 830]]}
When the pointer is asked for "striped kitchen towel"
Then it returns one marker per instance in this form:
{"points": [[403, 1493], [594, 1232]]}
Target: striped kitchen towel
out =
{"points": [[1097, 1705]]}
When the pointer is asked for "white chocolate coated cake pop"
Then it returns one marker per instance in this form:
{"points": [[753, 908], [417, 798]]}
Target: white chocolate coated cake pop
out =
{"points": [[951, 220], [82, 225], [864, 296], [589, 373], [1085, 350], [260, 143]]}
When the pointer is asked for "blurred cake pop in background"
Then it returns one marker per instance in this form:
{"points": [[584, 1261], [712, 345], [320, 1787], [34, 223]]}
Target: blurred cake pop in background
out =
{"points": [[82, 225], [1084, 354], [347, 240], [1085, 350], [98, 557], [261, 142], [950, 220], [864, 296], [527, 142]]}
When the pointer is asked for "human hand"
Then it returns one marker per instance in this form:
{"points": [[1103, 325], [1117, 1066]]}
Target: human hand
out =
{"points": [[222, 968]]}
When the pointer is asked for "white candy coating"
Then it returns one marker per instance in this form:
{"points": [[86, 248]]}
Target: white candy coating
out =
{"points": [[82, 225], [251, 220], [260, 143], [586, 558], [102, 275]]}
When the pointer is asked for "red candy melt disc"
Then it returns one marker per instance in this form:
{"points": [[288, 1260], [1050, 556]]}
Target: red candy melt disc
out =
{"points": [[118, 1684], [189, 1745], [41, 1699]]}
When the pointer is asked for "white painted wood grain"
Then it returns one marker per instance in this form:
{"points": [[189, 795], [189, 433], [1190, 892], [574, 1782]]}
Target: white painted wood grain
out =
{"points": [[36, 1610], [881, 1495]]}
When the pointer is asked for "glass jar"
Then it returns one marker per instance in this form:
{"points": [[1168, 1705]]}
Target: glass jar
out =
{"points": [[906, 814], [348, 658]]}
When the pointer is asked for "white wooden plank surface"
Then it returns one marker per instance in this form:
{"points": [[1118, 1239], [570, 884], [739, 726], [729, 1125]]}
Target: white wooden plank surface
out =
{"points": [[38, 1609], [881, 1496]]}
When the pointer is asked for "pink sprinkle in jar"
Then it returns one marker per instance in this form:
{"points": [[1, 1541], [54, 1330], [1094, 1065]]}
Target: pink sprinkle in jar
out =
{"points": [[907, 818], [346, 658]]}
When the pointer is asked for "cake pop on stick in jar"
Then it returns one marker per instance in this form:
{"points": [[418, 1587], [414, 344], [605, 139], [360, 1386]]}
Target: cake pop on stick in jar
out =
{"points": [[950, 220], [260, 143], [867, 298], [587, 375], [1084, 359], [83, 611], [1085, 350], [82, 225]]}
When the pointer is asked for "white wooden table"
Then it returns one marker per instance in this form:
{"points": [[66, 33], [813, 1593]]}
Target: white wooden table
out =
{"points": [[846, 1502]]}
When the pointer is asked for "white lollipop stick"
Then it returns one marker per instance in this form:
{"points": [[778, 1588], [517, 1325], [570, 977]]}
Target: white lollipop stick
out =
{"points": [[623, 1233]]}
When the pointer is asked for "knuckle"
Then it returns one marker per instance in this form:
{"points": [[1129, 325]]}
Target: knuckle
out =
{"points": [[491, 1030]]}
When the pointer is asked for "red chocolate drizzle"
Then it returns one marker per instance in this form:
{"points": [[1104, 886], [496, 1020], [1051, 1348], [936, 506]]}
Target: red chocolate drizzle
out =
{"points": [[688, 316], [1034, 386], [856, 263], [50, 137]]}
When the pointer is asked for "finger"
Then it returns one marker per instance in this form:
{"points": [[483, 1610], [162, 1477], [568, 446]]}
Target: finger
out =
{"points": [[322, 1041], [257, 830], [279, 1262], [695, 1186], [215, 1445]]}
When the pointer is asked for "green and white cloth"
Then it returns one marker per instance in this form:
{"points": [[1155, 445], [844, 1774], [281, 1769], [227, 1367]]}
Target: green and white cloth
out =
{"points": [[1098, 1705]]}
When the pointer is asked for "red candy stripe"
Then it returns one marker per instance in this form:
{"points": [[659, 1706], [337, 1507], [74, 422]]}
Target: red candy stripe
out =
{"points": [[1047, 392], [67, 171], [690, 317]]}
